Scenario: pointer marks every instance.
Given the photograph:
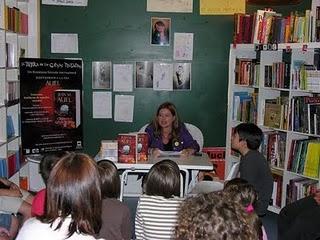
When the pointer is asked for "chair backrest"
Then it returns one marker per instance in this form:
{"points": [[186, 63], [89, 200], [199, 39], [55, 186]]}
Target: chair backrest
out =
{"points": [[193, 130], [234, 171], [196, 134], [143, 128]]}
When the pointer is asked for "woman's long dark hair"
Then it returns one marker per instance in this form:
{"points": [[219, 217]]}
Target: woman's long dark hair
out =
{"points": [[73, 190]]}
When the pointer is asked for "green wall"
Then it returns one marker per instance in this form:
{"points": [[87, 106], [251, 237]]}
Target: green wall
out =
{"points": [[119, 30]]}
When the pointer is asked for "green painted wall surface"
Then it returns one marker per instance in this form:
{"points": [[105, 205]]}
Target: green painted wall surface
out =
{"points": [[119, 30]]}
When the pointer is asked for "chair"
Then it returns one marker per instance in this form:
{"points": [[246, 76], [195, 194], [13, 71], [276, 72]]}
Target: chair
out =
{"points": [[193, 130]]}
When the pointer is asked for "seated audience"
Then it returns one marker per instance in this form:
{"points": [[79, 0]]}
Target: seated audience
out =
{"points": [[168, 133], [300, 220], [116, 218], [213, 217], [156, 213], [46, 165], [73, 209], [14, 200]]}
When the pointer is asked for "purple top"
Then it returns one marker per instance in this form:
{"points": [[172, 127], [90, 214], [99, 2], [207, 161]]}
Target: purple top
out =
{"points": [[184, 140]]}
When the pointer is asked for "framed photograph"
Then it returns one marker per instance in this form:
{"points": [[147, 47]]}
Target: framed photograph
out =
{"points": [[144, 74], [182, 76], [160, 31], [101, 75]]}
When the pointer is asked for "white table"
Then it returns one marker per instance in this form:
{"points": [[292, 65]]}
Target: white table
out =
{"points": [[193, 163]]}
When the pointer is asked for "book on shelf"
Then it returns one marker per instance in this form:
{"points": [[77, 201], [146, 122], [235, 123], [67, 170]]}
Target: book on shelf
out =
{"points": [[10, 127], [127, 147], [311, 168], [245, 106], [277, 190], [298, 188], [304, 110], [268, 26], [10, 55], [272, 114], [273, 148], [3, 168], [67, 108]]}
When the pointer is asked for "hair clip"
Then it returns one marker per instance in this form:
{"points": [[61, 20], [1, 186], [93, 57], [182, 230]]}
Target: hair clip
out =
{"points": [[249, 208]]}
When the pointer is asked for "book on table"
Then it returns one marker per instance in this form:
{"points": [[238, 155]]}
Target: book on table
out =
{"points": [[127, 147]]}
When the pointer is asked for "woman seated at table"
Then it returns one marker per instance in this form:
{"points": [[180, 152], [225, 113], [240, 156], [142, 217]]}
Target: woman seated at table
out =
{"points": [[168, 133]]}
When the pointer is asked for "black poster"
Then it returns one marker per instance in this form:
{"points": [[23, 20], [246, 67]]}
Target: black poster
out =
{"points": [[51, 105]]}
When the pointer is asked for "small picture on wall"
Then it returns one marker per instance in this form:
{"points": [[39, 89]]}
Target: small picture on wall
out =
{"points": [[144, 74], [182, 76], [101, 75], [160, 31]]}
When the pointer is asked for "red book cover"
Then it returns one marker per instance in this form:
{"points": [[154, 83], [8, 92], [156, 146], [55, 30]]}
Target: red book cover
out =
{"points": [[217, 157], [67, 108], [11, 164], [127, 148], [24, 23], [142, 147]]}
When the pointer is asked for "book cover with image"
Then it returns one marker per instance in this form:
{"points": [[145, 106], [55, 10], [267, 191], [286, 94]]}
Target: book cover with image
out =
{"points": [[67, 108], [142, 147], [127, 148]]}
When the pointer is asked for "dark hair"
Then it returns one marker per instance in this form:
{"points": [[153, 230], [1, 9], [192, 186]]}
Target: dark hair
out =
{"points": [[163, 179], [48, 162], [176, 124], [211, 216], [73, 190], [250, 133], [159, 23], [110, 180]]}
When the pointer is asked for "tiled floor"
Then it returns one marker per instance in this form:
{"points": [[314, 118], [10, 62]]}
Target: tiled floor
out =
{"points": [[269, 221]]}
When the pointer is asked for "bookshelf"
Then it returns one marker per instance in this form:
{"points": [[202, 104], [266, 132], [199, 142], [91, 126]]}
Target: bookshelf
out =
{"points": [[275, 90], [19, 37]]}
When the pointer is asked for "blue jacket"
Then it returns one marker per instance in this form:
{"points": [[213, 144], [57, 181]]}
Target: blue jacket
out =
{"points": [[184, 140]]}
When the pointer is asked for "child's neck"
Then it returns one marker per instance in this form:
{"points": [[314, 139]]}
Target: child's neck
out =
{"points": [[244, 151]]}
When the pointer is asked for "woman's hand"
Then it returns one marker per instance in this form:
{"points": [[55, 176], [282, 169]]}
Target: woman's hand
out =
{"points": [[187, 152], [155, 152]]}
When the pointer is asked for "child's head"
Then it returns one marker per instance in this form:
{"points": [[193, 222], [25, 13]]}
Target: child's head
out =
{"points": [[163, 179], [159, 26], [211, 216], [110, 180], [48, 162], [246, 135], [240, 191]]}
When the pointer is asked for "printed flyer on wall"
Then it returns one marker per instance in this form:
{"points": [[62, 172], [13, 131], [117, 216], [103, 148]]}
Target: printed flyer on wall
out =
{"points": [[51, 100]]}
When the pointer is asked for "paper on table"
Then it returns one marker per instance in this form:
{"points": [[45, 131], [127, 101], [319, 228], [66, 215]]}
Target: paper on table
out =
{"points": [[162, 76], [183, 46], [169, 154], [64, 43], [102, 105], [123, 109], [122, 77]]}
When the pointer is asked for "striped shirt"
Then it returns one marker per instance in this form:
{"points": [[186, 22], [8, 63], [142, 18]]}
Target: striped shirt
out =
{"points": [[156, 217]]}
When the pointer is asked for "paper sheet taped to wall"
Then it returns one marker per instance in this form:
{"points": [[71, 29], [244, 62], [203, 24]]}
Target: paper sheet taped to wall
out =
{"points": [[222, 7]]}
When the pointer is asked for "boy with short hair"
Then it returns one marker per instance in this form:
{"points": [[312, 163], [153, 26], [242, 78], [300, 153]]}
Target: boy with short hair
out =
{"points": [[254, 168]]}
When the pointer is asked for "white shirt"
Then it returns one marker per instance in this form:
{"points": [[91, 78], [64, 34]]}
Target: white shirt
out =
{"points": [[34, 229], [156, 217]]}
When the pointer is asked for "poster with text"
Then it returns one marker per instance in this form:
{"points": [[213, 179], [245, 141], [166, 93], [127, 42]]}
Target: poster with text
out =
{"points": [[51, 105]]}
